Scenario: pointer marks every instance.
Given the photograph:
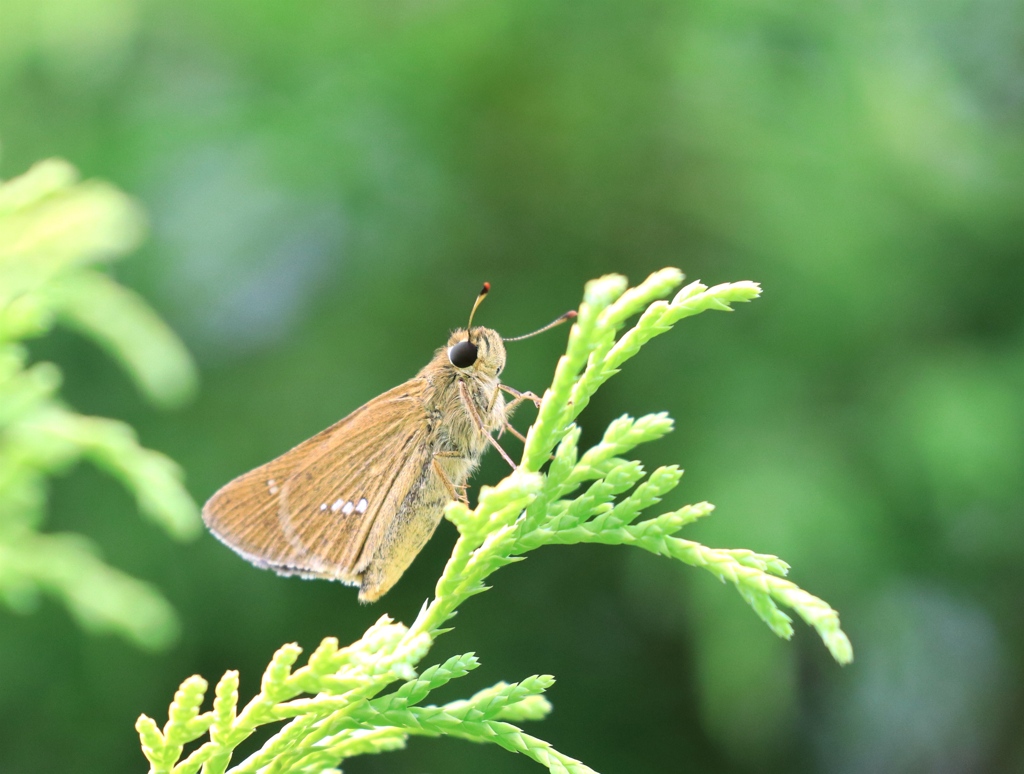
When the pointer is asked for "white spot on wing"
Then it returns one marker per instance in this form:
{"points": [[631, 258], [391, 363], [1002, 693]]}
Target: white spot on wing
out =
{"points": [[272, 486], [323, 506], [362, 505], [336, 505], [349, 507]]}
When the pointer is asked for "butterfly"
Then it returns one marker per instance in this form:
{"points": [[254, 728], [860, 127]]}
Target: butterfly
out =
{"points": [[358, 501]]}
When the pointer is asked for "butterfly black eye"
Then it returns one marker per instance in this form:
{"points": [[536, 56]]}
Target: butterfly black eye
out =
{"points": [[463, 354]]}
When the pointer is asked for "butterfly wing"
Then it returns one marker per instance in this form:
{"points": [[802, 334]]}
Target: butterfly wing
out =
{"points": [[309, 511]]}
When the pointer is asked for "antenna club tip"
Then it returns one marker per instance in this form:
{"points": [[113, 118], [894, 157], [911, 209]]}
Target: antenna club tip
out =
{"points": [[570, 315], [486, 289]]}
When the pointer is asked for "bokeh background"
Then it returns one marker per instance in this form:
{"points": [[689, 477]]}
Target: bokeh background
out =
{"points": [[328, 183]]}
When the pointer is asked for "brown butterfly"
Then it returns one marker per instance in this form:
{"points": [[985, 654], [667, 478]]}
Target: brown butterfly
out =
{"points": [[358, 501]]}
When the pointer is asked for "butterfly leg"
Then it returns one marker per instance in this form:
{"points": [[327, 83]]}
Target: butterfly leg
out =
{"points": [[519, 397], [508, 426], [480, 425], [457, 493], [509, 408]]}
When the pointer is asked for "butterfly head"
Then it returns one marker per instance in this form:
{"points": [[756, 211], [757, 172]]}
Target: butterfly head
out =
{"points": [[479, 351]]}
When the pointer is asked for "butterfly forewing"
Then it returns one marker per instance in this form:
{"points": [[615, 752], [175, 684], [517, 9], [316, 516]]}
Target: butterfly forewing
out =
{"points": [[309, 511]]}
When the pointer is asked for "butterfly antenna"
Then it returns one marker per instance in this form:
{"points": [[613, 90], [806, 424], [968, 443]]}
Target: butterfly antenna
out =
{"points": [[483, 292], [567, 316]]}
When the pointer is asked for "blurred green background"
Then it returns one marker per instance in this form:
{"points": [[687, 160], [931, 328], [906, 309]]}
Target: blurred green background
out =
{"points": [[329, 183]]}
